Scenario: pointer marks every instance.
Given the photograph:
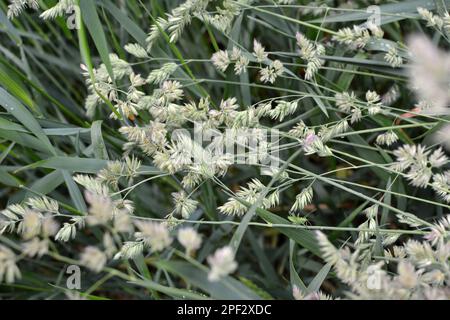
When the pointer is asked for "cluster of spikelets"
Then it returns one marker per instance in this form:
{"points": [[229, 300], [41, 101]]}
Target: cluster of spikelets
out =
{"points": [[61, 8], [376, 268], [38, 223], [268, 74], [421, 269]]}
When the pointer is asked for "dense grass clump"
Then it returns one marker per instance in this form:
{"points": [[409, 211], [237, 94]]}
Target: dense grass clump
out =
{"points": [[224, 149]]}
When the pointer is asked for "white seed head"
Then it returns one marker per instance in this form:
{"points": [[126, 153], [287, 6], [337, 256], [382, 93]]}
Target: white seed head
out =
{"points": [[222, 264], [153, 234], [259, 52], [93, 258], [8, 268], [189, 239], [221, 60]]}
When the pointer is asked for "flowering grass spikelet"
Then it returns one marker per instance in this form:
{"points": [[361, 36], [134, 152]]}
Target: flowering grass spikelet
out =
{"points": [[154, 235], [189, 239], [222, 264]]}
